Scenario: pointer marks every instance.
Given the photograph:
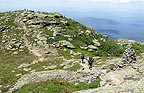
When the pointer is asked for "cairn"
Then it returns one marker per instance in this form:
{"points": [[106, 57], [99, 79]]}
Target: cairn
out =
{"points": [[129, 55]]}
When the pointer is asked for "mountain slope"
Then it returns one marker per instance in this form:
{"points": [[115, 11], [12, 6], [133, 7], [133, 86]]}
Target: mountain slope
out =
{"points": [[34, 44], [21, 28]]}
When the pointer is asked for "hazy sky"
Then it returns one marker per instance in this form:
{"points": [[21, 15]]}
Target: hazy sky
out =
{"points": [[60, 4], [119, 9], [123, 11]]}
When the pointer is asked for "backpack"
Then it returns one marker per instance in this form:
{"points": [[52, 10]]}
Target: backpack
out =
{"points": [[82, 56], [90, 60]]}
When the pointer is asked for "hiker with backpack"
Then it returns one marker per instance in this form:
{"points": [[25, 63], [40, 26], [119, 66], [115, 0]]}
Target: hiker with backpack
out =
{"points": [[82, 58], [90, 62]]}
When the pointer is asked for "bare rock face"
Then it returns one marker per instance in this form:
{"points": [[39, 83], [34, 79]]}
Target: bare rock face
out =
{"points": [[129, 55]]}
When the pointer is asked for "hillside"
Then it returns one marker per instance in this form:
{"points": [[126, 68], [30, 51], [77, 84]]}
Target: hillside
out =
{"points": [[43, 49]]}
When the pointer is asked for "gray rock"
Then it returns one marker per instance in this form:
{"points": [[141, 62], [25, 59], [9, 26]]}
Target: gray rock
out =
{"points": [[64, 43], [40, 23], [73, 53], [42, 38], [41, 15], [70, 37], [96, 43], [92, 47], [87, 32], [57, 31], [1, 86], [15, 53], [40, 42], [141, 68], [84, 47], [50, 67], [25, 20]]}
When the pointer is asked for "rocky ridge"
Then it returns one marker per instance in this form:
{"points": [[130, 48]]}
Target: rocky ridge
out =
{"points": [[26, 28]]}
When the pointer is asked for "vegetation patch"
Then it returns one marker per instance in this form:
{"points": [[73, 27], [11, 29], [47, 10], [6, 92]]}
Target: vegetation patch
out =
{"points": [[56, 86], [40, 66], [9, 67], [75, 67]]}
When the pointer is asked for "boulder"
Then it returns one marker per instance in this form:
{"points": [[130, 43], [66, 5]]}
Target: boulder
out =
{"points": [[42, 38], [92, 47], [73, 53], [64, 43], [84, 47], [53, 22], [87, 32], [96, 43], [15, 53], [40, 42], [30, 16], [141, 68], [70, 37], [25, 20], [57, 15], [57, 31], [41, 23], [41, 15]]}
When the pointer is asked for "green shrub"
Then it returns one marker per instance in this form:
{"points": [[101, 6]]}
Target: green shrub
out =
{"points": [[95, 84], [75, 67], [56, 86]]}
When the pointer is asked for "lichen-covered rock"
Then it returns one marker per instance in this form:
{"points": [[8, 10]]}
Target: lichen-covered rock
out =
{"points": [[64, 43], [57, 31], [96, 43], [92, 47]]}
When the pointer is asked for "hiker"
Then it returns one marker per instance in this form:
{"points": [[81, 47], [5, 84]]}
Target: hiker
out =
{"points": [[82, 58], [90, 62]]}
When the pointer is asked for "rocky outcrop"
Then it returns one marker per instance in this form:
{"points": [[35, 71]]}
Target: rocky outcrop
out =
{"points": [[64, 43], [92, 47], [70, 76], [96, 43], [57, 31]]}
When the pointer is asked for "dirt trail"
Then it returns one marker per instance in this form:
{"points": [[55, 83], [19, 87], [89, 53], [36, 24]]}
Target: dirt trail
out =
{"points": [[85, 66]]}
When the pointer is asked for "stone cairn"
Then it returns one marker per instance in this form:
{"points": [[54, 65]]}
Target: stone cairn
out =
{"points": [[129, 55]]}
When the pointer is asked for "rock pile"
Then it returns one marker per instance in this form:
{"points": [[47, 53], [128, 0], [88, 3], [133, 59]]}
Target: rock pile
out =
{"points": [[129, 55]]}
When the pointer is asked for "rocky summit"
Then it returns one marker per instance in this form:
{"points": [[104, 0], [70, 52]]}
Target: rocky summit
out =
{"points": [[40, 53]]}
